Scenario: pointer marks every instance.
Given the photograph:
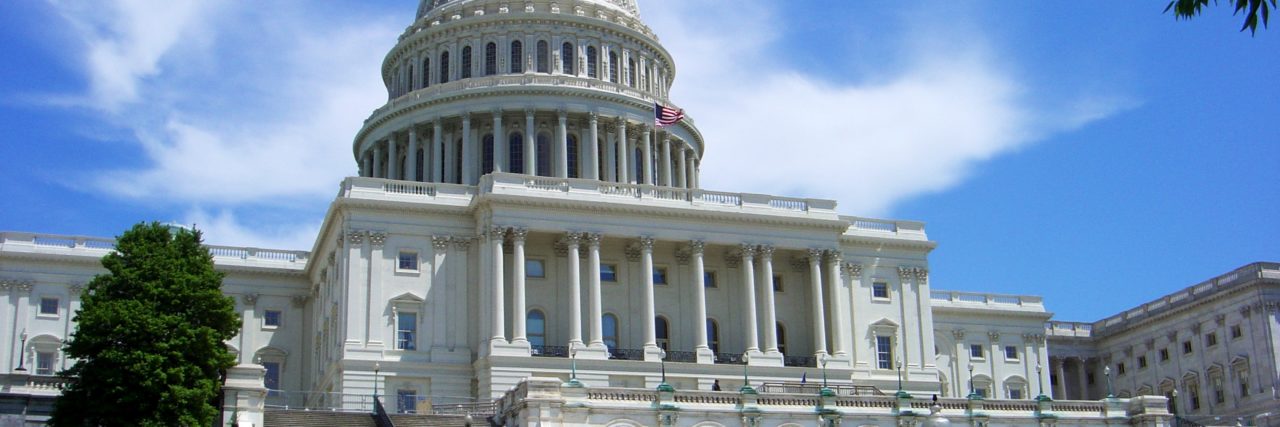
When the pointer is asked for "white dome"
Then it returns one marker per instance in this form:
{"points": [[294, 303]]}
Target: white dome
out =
{"points": [[626, 6]]}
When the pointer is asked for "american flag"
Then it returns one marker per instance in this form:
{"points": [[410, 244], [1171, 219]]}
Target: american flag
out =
{"points": [[667, 116]]}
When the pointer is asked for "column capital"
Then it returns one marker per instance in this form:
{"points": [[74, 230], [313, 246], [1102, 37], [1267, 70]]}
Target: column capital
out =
{"points": [[563, 115], [958, 333], [646, 243], [250, 299], [572, 239], [528, 112], [497, 113], [519, 234], [497, 232], [377, 238], [466, 117], [440, 242], [765, 251], [853, 269], [834, 255], [356, 237], [697, 246], [747, 250], [462, 243], [815, 255], [76, 289], [593, 239], [593, 117]]}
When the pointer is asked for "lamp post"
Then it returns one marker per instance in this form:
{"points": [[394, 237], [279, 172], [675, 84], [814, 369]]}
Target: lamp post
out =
{"points": [[662, 363], [898, 365], [22, 353], [1107, 371], [376, 367], [1039, 380], [1173, 406], [824, 371], [973, 393]]}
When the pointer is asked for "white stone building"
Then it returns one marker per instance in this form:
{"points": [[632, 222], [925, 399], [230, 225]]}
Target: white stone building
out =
{"points": [[517, 205]]}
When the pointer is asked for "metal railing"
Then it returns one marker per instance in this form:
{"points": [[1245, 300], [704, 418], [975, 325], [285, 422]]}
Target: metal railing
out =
{"points": [[626, 354], [682, 356], [800, 361], [380, 414], [813, 387], [549, 351], [730, 359]]}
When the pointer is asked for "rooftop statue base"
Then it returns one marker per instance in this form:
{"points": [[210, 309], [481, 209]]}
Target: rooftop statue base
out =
{"points": [[593, 352], [773, 358], [502, 348]]}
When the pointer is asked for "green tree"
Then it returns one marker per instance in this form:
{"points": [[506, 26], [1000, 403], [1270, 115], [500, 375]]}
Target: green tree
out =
{"points": [[149, 338], [1255, 10]]}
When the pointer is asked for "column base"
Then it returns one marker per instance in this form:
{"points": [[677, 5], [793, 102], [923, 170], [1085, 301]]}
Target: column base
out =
{"points": [[501, 348], [652, 354], [838, 361], [766, 359], [593, 352], [706, 357]]}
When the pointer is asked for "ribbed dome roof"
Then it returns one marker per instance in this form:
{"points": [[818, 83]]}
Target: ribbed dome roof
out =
{"points": [[627, 6]]}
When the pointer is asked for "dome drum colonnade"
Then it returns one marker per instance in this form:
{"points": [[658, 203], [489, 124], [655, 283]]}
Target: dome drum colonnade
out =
{"points": [[827, 275], [599, 85]]}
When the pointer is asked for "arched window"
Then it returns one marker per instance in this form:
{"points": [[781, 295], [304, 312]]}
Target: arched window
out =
{"points": [[412, 87], [609, 325], [466, 62], [419, 164], [544, 62], [486, 158], [613, 66], [592, 62], [713, 335], [515, 146], [536, 329], [638, 164], [517, 57], [573, 156], [457, 161], [600, 165], [782, 339], [426, 72], [567, 58], [444, 67], [544, 155], [631, 72], [663, 332], [490, 59]]}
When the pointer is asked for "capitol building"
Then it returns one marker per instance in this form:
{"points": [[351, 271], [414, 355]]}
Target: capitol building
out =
{"points": [[528, 243]]}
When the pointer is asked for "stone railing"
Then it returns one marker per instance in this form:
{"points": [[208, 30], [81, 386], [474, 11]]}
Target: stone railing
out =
{"points": [[1068, 329], [993, 301], [98, 247], [388, 189], [1188, 295], [881, 227]]}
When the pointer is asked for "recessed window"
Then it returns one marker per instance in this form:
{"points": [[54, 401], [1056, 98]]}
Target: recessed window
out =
{"points": [[272, 377], [535, 268], [1142, 362], [49, 306], [44, 362], [709, 279], [1236, 331], [777, 283], [272, 318], [980, 390], [407, 401], [713, 336], [608, 273], [1015, 393], [1120, 369], [536, 329], [662, 331], [880, 290], [1186, 347], [884, 352], [659, 276], [1164, 354], [407, 331], [1010, 352], [609, 325], [975, 351], [408, 261], [1211, 339]]}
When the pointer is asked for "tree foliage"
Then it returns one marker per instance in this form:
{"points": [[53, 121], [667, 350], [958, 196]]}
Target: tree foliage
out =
{"points": [[149, 338], [1254, 10]]}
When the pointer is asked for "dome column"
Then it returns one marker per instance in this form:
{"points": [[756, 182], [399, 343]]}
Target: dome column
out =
{"points": [[593, 148], [646, 151], [682, 175], [666, 160], [437, 151], [562, 145], [468, 152], [499, 143], [393, 158], [411, 166], [530, 144], [377, 160], [623, 163]]}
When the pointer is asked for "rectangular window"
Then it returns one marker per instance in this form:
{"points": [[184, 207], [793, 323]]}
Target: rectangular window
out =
{"points": [[608, 273], [1211, 339], [880, 290], [407, 331], [1164, 354], [659, 276], [1088, 378], [1010, 352], [1186, 347], [777, 283], [271, 318], [44, 362], [1142, 362], [981, 391], [1236, 332], [406, 401], [535, 268], [1194, 397], [1015, 393], [975, 351], [1243, 377], [1120, 368], [407, 261], [49, 306], [884, 352], [709, 279], [272, 377]]}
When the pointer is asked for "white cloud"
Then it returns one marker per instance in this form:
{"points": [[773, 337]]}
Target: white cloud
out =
{"points": [[868, 144], [224, 227]]}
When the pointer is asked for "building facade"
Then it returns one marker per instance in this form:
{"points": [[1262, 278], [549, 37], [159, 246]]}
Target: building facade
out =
{"points": [[519, 216]]}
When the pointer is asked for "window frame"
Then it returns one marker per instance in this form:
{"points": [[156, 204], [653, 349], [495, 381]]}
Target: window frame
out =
{"points": [[267, 374], [49, 355], [611, 270], [1187, 348], [884, 352], [399, 331], [778, 284], [661, 273], [540, 335], [1015, 356], [709, 280], [880, 286], [541, 269], [1211, 339], [266, 316], [610, 334], [1237, 332], [713, 335], [400, 260], [977, 352], [662, 332], [57, 307]]}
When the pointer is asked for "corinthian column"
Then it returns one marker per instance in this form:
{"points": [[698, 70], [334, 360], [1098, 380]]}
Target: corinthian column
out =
{"points": [[815, 289], [575, 291], [651, 350], [500, 149], [595, 346], [518, 332], [496, 234], [411, 167], [562, 146], [766, 287], [530, 144], [700, 303], [593, 148], [666, 160], [838, 317], [623, 153], [646, 151], [749, 294]]}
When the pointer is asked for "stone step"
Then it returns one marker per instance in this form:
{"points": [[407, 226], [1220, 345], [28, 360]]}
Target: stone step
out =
{"points": [[294, 418]]}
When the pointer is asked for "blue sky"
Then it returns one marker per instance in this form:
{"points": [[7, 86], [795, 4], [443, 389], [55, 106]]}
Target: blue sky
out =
{"points": [[1098, 154]]}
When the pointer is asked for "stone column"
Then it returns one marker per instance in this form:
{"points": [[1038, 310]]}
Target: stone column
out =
{"points": [[700, 303], [518, 308], [651, 350], [749, 295], [593, 149], [499, 143], [770, 315], [1084, 380], [440, 272], [450, 159], [575, 291], [623, 148], [393, 158], [530, 144], [377, 161], [437, 151], [682, 178], [595, 344], [666, 160], [367, 171], [562, 145], [838, 317], [496, 234], [646, 152], [374, 324], [1060, 389], [815, 291], [469, 164], [411, 166]]}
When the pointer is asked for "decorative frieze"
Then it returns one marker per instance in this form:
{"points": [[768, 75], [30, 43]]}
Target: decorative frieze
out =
{"points": [[765, 252], [377, 238], [993, 335], [852, 270], [250, 299], [440, 243], [355, 237]]}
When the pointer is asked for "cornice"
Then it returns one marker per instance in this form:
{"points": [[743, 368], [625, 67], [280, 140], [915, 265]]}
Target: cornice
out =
{"points": [[926, 245], [1101, 331]]}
